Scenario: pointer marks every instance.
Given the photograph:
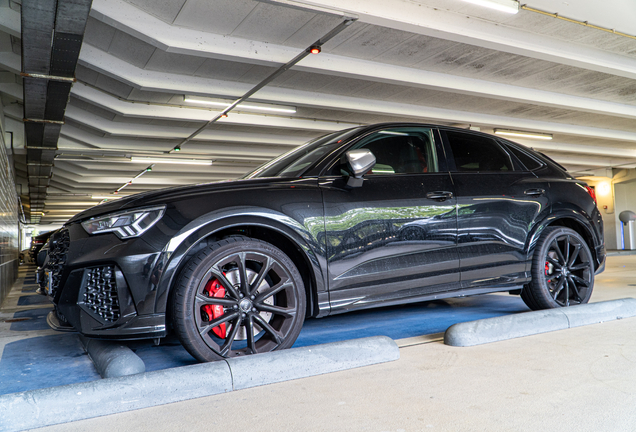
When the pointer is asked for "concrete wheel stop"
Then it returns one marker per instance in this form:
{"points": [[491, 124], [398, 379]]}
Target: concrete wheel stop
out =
{"points": [[112, 359], [530, 323], [63, 404]]}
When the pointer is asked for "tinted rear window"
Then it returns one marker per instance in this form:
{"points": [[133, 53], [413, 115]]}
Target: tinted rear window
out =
{"points": [[528, 161], [475, 153]]}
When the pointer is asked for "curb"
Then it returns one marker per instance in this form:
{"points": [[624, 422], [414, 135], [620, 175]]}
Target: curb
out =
{"points": [[530, 323], [63, 404]]}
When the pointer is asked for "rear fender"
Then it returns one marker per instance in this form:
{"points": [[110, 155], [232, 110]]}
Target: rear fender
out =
{"points": [[567, 214]]}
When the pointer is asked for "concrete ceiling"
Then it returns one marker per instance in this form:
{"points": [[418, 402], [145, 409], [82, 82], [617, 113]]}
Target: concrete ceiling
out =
{"points": [[439, 61]]}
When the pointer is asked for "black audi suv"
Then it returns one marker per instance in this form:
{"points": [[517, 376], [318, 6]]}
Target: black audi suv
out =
{"points": [[366, 217]]}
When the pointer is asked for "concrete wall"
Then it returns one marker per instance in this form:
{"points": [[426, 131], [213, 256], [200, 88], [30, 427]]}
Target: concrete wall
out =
{"points": [[615, 192], [8, 217], [625, 197], [623, 202], [606, 206]]}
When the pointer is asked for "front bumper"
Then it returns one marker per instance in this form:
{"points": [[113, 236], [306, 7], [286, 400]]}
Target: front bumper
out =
{"points": [[106, 287]]}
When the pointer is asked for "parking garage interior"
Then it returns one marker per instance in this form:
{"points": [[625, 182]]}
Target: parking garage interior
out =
{"points": [[104, 99]]}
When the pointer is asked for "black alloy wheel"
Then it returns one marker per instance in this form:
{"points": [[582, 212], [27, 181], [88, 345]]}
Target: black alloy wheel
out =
{"points": [[562, 271], [238, 296]]}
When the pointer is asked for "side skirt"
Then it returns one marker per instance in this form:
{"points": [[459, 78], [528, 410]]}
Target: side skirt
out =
{"points": [[420, 298]]}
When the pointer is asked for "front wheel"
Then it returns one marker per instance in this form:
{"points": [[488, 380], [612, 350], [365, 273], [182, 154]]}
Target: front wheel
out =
{"points": [[239, 296], [562, 271]]}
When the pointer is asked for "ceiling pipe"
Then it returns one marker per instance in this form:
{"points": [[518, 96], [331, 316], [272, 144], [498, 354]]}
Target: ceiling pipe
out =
{"points": [[281, 70]]}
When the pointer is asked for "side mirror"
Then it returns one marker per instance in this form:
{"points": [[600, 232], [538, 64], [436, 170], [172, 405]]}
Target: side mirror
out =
{"points": [[360, 161]]}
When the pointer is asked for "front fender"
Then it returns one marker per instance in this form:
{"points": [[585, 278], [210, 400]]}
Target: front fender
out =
{"points": [[176, 250]]}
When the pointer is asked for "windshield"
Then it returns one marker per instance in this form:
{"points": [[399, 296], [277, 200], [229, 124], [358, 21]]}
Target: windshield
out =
{"points": [[295, 162]]}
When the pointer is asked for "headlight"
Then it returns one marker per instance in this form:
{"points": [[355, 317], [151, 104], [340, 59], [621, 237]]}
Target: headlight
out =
{"points": [[127, 224]]}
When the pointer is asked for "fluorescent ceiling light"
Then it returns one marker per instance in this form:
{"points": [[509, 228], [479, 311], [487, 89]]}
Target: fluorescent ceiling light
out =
{"points": [[393, 133], [509, 6], [59, 216], [521, 134], [68, 203], [56, 212], [304, 4], [224, 103], [135, 159], [103, 197]]}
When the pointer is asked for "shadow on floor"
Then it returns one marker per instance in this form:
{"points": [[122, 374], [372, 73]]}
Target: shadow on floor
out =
{"points": [[46, 361], [399, 322], [396, 322]]}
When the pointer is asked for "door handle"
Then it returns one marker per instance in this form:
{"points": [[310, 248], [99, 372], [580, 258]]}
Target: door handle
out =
{"points": [[439, 195], [534, 192]]}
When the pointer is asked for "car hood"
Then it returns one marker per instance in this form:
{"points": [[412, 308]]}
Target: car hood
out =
{"points": [[164, 196]]}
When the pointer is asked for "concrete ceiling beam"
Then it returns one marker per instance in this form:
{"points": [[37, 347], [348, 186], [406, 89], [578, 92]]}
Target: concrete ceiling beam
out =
{"points": [[11, 62], [13, 90], [377, 72], [116, 181], [10, 21], [211, 135], [418, 18], [578, 148], [168, 132], [248, 156], [332, 101], [399, 14], [595, 161], [126, 168], [140, 110]]}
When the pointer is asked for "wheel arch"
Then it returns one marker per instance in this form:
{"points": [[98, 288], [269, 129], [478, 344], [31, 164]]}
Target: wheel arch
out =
{"points": [[275, 228], [289, 246], [568, 219]]}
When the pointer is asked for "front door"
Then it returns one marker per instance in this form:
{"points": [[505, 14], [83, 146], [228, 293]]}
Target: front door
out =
{"points": [[394, 237]]}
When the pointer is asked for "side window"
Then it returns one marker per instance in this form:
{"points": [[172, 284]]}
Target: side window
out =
{"points": [[474, 153], [528, 161], [402, 151]]}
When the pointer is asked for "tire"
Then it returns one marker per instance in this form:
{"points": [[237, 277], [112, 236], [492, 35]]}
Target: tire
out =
{"points": [[562, 271], [238, 296]]}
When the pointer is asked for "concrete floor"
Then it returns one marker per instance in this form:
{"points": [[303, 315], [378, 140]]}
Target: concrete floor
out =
{"points": [[582, 379], [32, 356]]}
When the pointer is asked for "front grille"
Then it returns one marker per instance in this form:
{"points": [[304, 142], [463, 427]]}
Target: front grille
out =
{"points": [[58, 250], [100, 293]]}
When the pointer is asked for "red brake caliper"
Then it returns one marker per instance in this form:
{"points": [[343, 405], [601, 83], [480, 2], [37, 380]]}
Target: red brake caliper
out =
{"points": [[547, 270], [214, 289]]}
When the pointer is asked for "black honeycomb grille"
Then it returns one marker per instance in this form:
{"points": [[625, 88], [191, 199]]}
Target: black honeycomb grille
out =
{"points": [[58, 250], [100, 295]]}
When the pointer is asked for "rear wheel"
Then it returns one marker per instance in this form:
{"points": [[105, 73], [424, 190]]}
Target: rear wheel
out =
{"points": [[562, 271], [237, 297]]}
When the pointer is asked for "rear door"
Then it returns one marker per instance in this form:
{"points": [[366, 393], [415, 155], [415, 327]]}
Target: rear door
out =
{"points": [[498, 204], [395, 236]]}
